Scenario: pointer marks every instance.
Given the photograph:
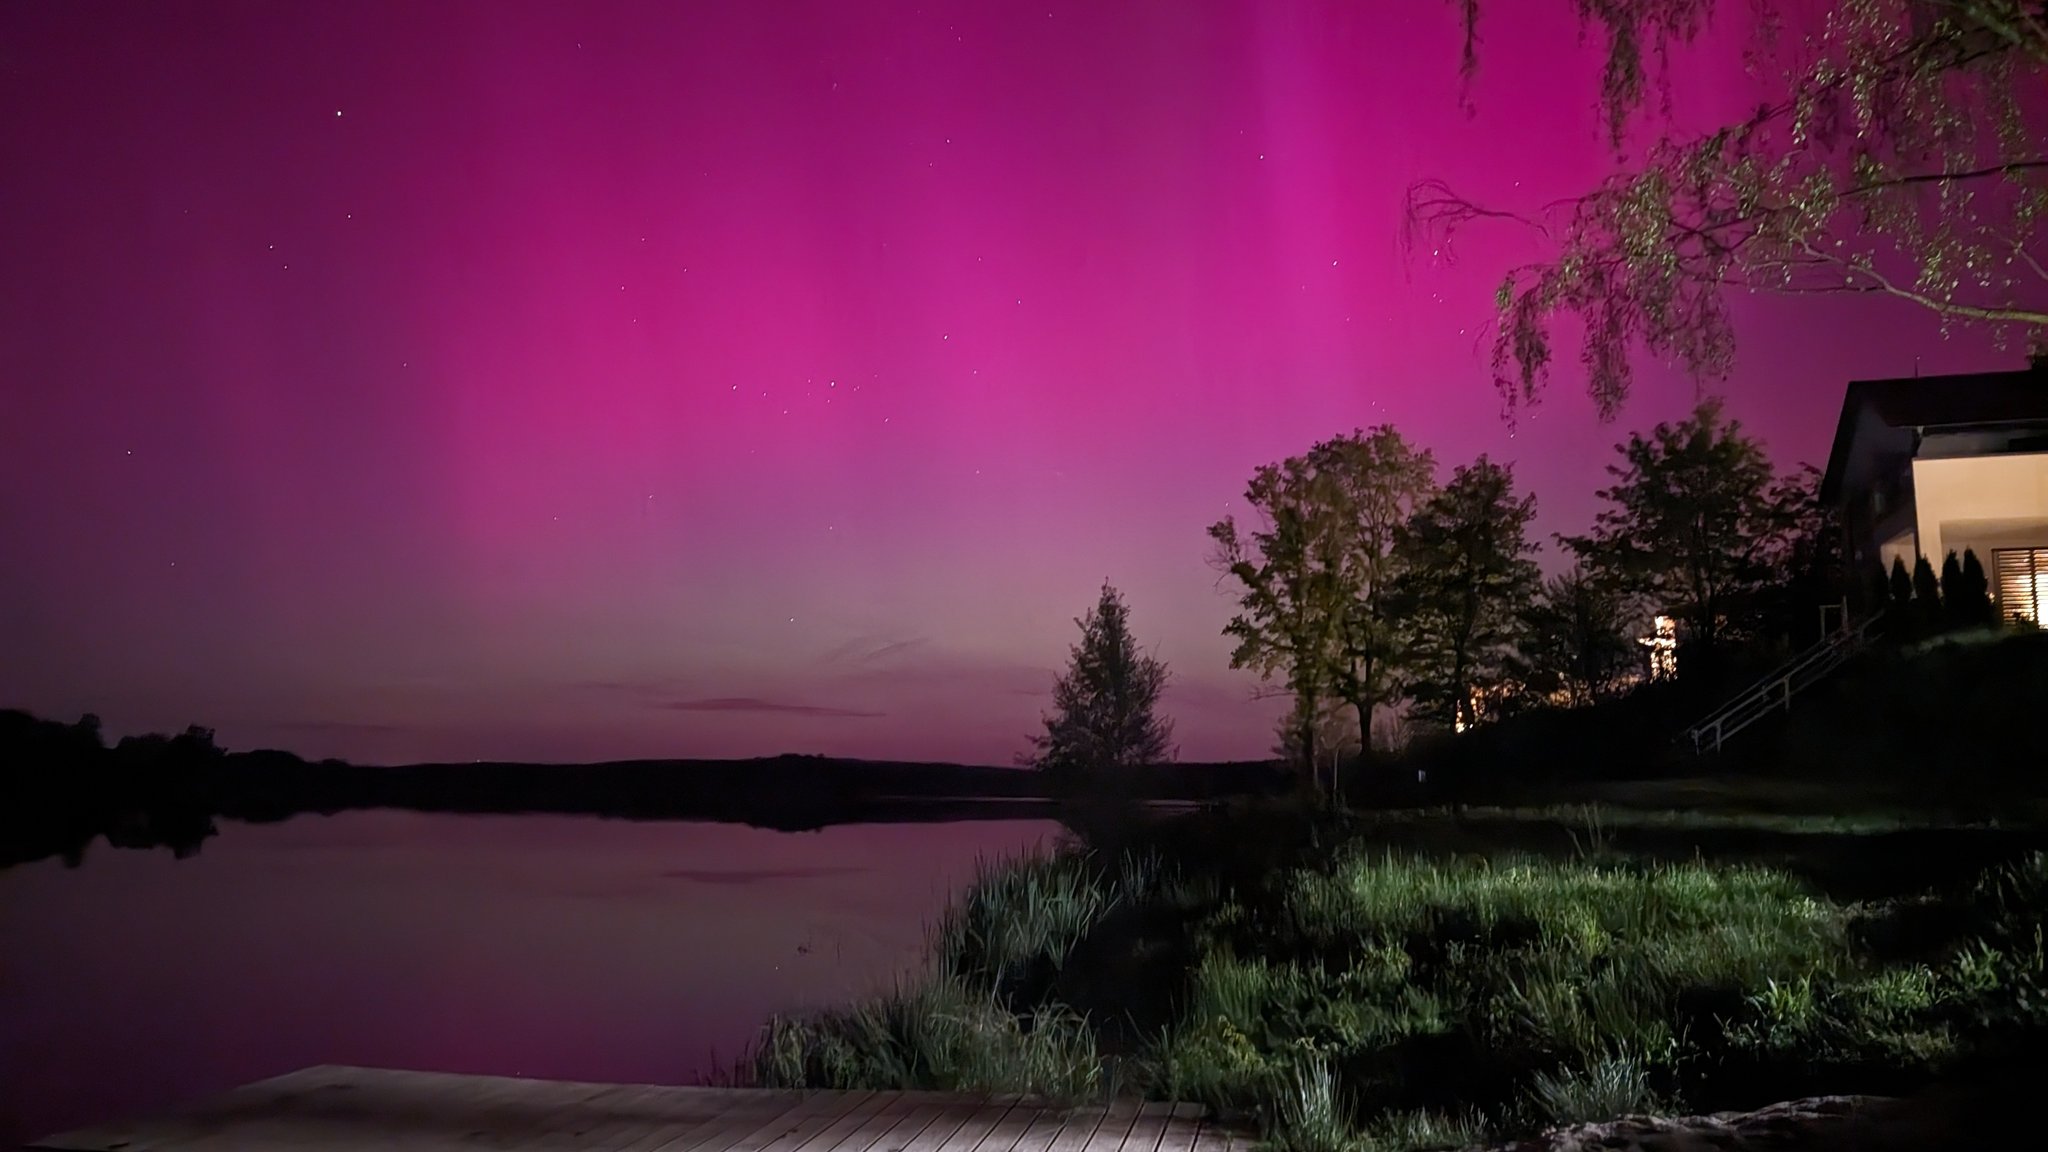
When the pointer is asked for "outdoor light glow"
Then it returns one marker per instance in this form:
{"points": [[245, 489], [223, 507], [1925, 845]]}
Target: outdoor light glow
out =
{"points": [[1663, 646]]}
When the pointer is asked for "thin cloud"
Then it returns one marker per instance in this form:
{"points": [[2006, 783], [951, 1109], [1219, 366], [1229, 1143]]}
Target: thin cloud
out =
{"points": [[755, 704], [920, 664], [333, 726], [868, 651]]}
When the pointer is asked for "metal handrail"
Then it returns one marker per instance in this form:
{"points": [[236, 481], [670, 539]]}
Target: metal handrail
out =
{"points": [[1778, 688]]}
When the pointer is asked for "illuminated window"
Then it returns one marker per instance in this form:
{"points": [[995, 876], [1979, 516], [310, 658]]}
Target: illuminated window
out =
{"points": [[2020, 576]]}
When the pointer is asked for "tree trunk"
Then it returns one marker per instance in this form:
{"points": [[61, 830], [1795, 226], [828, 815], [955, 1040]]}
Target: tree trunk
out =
{"points": [[1306, 705]]}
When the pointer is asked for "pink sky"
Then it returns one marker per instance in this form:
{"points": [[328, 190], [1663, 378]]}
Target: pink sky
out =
{"points": [[523, 380]]}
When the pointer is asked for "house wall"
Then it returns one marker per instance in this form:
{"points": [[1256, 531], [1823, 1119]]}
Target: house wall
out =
{"points": [[1902, 548], [1981, 503], [1876, 509]]}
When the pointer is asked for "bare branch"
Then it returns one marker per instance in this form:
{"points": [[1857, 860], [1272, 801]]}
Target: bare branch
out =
{"points": [[1878, 282]]}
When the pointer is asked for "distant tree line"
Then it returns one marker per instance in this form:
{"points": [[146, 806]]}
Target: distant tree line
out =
{"points": [[61, 786]]}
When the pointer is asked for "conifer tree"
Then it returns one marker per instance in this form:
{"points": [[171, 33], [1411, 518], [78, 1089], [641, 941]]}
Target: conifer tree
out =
{"points": [[1899, 594], [1103, 717], [1952, 607], [1926, 597], [1974, 592]]}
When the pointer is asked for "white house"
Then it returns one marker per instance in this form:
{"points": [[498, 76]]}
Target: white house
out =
{"points": [[1938, 464]]}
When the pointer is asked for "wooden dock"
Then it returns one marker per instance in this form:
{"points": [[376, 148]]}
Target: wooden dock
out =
{"points": [[332, 1107]]}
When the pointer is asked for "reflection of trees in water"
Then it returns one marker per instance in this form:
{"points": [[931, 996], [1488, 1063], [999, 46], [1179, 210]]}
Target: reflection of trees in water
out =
{"points": [[183, 831], [62, 788]]}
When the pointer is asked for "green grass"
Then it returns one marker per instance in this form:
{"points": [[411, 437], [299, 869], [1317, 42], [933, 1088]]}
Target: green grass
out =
{"points": [[1614, 816], [1358, 999]]}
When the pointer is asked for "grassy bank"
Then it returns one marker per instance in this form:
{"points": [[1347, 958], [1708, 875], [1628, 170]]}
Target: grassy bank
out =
{"points": [[1345, 995]]}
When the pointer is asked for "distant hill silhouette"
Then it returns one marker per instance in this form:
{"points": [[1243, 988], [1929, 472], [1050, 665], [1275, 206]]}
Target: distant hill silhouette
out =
{"points": [[61, 787]]}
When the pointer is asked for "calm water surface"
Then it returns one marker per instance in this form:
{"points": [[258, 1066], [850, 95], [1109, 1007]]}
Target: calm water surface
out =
{"points": [[545, 946]]}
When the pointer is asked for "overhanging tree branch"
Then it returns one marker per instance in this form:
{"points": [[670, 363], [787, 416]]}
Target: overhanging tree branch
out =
{"points": [[1902, 141]]}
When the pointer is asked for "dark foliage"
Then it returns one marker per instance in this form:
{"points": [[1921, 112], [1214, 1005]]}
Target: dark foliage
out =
{"points": [[1969, 597], [1465, 588], [1575, 645], [1926, 597], [1899, 593], [1953, 723], [1104, 721]]}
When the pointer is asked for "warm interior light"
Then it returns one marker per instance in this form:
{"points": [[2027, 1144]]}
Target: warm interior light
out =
{"points": [[2022, 582]]}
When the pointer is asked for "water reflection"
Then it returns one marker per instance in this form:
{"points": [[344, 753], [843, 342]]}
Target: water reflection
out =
{"points": [[531, 945]]}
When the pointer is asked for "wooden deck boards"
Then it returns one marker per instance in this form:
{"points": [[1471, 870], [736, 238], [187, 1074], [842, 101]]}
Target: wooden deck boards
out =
{"points": [[333, 1107]]}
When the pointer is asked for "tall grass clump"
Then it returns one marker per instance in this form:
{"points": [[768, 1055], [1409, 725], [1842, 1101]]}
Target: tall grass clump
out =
{"points": [[986, 1018], [938, 1035], [1424, 1131], [1617, 1084], [1019, 921], [1312, 1116]]}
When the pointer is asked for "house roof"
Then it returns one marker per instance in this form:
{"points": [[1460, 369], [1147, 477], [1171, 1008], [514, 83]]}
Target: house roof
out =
{"points": [[1974, 400]]}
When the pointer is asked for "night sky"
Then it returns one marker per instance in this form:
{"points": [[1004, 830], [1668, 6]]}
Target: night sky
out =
{"points": [[546, 381]]}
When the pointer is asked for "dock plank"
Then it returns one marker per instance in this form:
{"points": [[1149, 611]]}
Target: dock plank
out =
{"points": [[329, 1108]]}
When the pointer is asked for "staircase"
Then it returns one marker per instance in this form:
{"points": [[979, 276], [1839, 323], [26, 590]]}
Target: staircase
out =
{"points": [[1776, 691]]}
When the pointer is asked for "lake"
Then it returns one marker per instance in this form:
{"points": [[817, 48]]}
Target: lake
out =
{"points": [[550, 946]]}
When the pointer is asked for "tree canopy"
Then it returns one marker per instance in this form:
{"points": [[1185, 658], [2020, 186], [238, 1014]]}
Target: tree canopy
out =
{"points": [[1317, 575], [1467, 584], [1576, 649], [1694, 522], [1903, 156]]}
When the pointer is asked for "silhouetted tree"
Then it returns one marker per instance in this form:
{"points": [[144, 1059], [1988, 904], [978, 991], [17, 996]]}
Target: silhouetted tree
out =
{"points": [[1691, 525], [1973, 593], [1952, 607], [1900, 614], [1806, 567], [1317, 578], [1466, 586], [87, 731], [1575, 647], [1926, 597], [1898, 160], [1103, 717]]}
